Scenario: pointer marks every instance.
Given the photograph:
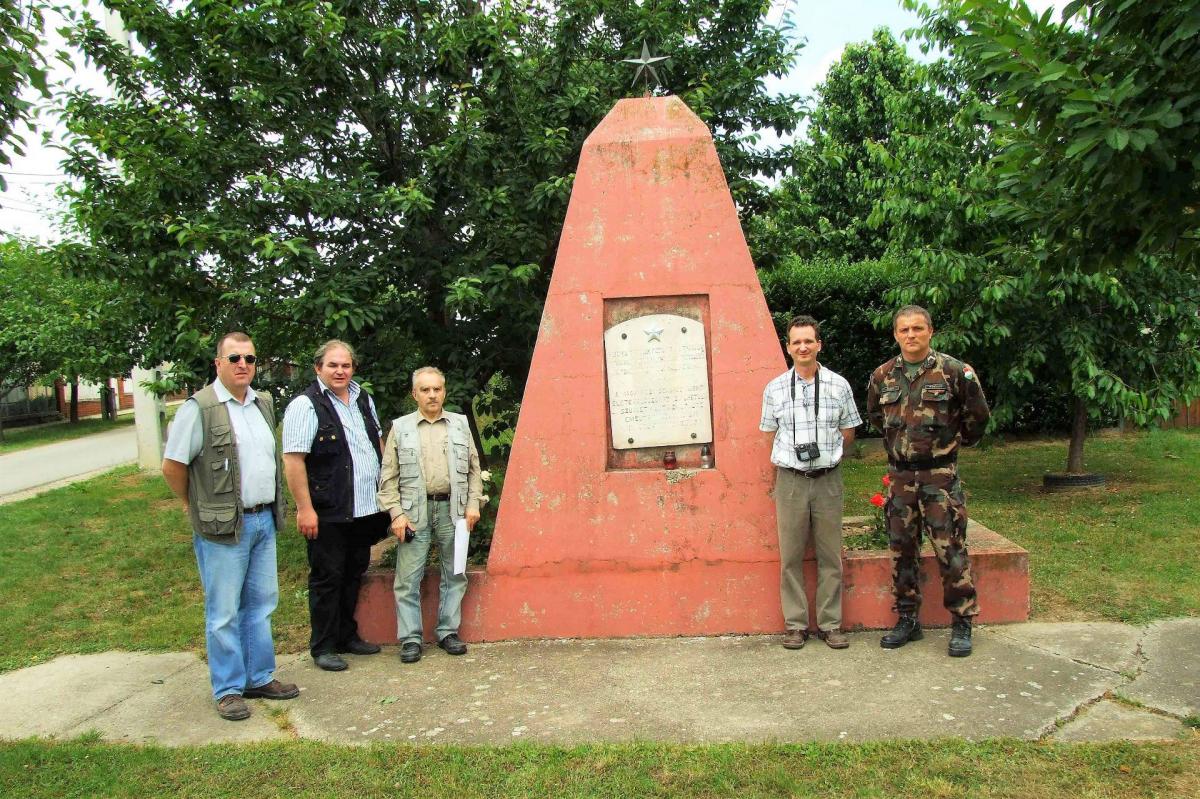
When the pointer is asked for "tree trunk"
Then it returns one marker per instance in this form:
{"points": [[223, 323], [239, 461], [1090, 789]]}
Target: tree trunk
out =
{"points": [[474, 425], [1078, 433], [74, 402]]}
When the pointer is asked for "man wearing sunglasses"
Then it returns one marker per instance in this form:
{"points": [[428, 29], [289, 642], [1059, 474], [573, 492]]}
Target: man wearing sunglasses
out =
{"points": [[221, 460]]}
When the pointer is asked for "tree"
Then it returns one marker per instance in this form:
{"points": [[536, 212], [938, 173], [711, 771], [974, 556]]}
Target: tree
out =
{"points": [[21, 66], [393, 171], [54, 325], [1091, 283], [872, 95]]}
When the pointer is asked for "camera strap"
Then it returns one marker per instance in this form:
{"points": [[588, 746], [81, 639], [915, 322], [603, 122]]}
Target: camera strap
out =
{"points": [[816, 404]]}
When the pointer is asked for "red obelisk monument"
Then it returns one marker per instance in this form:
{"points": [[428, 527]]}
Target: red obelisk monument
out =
{"points": [[654, 349], [655, 342]]}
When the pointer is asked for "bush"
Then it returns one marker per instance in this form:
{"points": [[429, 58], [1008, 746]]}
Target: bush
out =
{"points": [[845, 298]]}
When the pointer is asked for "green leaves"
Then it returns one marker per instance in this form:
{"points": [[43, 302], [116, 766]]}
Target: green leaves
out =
{"points": [[394, 172]]}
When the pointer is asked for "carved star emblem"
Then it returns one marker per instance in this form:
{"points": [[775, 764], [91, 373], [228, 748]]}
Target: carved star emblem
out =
{"points": [[653, 334], [646, 64]]}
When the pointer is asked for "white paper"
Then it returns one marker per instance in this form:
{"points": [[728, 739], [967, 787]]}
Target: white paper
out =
{"points": [[461, 536]]}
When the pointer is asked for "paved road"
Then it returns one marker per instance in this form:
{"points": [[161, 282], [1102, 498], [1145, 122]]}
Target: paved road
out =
{"points": [[29, 471]]}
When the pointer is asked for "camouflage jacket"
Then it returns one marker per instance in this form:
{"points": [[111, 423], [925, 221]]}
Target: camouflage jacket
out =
{"points": [[928, 418]]}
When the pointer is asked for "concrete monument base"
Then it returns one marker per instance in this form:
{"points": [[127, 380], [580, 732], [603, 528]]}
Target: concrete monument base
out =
{"points": [[738, 597]]}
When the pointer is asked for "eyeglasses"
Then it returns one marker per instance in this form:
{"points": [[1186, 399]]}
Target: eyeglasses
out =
{"points": [[236, 357]]}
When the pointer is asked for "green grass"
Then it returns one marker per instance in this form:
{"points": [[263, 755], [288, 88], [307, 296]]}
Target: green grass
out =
{"points": [[108, 564], [1126, 552], [16, 438], [987, 770]]}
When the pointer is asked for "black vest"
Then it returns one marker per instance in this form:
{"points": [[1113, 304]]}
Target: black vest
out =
{"points": [[329, 464]]}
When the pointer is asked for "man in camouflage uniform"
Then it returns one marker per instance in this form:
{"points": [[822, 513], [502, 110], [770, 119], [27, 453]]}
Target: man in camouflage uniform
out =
{"points": [[927, 404]]}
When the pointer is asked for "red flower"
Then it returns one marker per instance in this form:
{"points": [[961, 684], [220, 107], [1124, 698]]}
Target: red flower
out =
{"points": [[878, 500], [887, 481]]}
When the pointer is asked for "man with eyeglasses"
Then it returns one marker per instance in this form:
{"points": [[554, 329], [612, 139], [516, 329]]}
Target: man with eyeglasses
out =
{"points": [[809, 411], [221, 460]]}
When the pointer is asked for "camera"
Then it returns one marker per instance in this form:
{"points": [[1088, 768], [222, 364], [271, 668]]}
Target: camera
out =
{"points": [[807, 452]]}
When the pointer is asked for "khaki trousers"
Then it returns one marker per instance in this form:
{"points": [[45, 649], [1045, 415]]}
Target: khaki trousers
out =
{"points": [[810, 508]]}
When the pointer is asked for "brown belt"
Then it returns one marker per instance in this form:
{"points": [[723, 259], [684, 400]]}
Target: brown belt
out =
{"points": [[258, 508], [438, 497]]}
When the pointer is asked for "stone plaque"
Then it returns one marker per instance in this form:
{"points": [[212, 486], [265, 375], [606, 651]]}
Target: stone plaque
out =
{"points": [[657, 368]]}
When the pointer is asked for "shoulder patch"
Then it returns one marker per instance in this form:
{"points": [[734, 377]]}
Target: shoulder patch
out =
{"points": [[968, 372]]}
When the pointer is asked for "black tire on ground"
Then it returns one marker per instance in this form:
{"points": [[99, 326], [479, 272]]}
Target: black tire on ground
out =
{"points": [[1071, 482]]}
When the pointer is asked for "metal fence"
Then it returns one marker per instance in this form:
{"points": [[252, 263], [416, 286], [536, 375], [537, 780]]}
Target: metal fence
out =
{"points": [[29, 402]]}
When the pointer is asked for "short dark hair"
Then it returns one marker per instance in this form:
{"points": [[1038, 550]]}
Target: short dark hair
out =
{"points": [[234, 335], [803, 320], [912, 310], [334, 344]]}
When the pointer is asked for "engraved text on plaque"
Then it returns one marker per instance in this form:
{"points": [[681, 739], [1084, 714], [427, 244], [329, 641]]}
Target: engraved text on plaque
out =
{"points": [[657, 369]]}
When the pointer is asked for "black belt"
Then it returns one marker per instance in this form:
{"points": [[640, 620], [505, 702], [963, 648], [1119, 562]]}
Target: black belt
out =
{"points": [[811, 474], [258, 508], [438, 497], [917, 466]]}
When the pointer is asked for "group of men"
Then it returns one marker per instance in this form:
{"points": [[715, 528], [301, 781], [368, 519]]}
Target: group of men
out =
{"points": [[350, 489], [927, 404]]}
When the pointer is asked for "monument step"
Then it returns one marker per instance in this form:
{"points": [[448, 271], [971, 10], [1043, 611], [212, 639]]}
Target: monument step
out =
{"points": [[686, 599]]}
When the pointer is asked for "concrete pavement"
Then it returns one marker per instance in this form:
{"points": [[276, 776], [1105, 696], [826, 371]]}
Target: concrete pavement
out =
{"points": [[28, 472], [1068, 682]]}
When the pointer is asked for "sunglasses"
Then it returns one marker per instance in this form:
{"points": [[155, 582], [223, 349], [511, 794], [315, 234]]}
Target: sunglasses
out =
{"points": [[235, 358]]}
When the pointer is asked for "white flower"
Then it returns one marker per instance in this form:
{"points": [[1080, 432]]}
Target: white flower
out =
{"points": [[483, 500], [485, 475]]}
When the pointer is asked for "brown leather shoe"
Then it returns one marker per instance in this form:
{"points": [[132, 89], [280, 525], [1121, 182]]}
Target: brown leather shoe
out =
{"points": [[232, 707], [273, 690], [794, 639], [834, 638]]}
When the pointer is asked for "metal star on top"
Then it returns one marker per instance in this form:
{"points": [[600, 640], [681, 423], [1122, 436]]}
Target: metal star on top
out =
{"points": [[646, 64], [653, 333]]}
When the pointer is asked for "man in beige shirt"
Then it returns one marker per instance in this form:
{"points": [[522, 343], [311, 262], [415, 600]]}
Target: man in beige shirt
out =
{"points": [[429, 480]]}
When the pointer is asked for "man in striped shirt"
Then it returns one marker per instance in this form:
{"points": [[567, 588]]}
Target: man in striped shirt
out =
{"points": [[331, 457], [810, 413]]}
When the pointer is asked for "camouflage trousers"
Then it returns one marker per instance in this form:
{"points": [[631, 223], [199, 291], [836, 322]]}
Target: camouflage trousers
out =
{"points": [[929, 500]]}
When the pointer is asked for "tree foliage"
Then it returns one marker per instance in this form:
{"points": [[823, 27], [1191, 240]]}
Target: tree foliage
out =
{"points": [[53, 325], [21, 66], [872, 97], [391, 171], [1097, 122], [1087, 283]]}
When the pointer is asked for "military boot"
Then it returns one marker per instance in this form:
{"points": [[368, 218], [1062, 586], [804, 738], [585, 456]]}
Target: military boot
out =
{"points": [[907, 629], [960, 637]]}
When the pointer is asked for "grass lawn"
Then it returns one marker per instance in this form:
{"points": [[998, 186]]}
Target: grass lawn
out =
{"points": [[1002, 768], [1126, 552], [16, 438], [107, 564]]}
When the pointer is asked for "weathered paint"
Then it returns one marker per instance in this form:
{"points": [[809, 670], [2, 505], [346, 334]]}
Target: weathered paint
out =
{"points": [[714, 597], [585, 550]]}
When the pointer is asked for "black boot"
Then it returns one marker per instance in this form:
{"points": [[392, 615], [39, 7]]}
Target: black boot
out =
{"points": [[907, 629], [960, 637]]}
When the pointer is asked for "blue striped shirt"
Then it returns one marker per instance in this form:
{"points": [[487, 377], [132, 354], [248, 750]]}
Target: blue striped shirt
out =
{"points": [[300, 427]]}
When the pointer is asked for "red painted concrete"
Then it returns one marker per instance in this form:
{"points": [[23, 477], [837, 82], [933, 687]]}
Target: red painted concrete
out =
{"points": [[582, 549], [493, 610]]}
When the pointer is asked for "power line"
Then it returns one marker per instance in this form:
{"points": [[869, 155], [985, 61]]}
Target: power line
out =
{"points": [[34, 174]]}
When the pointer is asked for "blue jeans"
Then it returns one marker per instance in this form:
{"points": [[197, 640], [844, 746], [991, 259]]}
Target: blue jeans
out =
{"points": [[241, 590], [410, 568]]}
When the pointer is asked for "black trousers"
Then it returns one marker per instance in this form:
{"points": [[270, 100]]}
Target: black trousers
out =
{"points": [[337, 559]]}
